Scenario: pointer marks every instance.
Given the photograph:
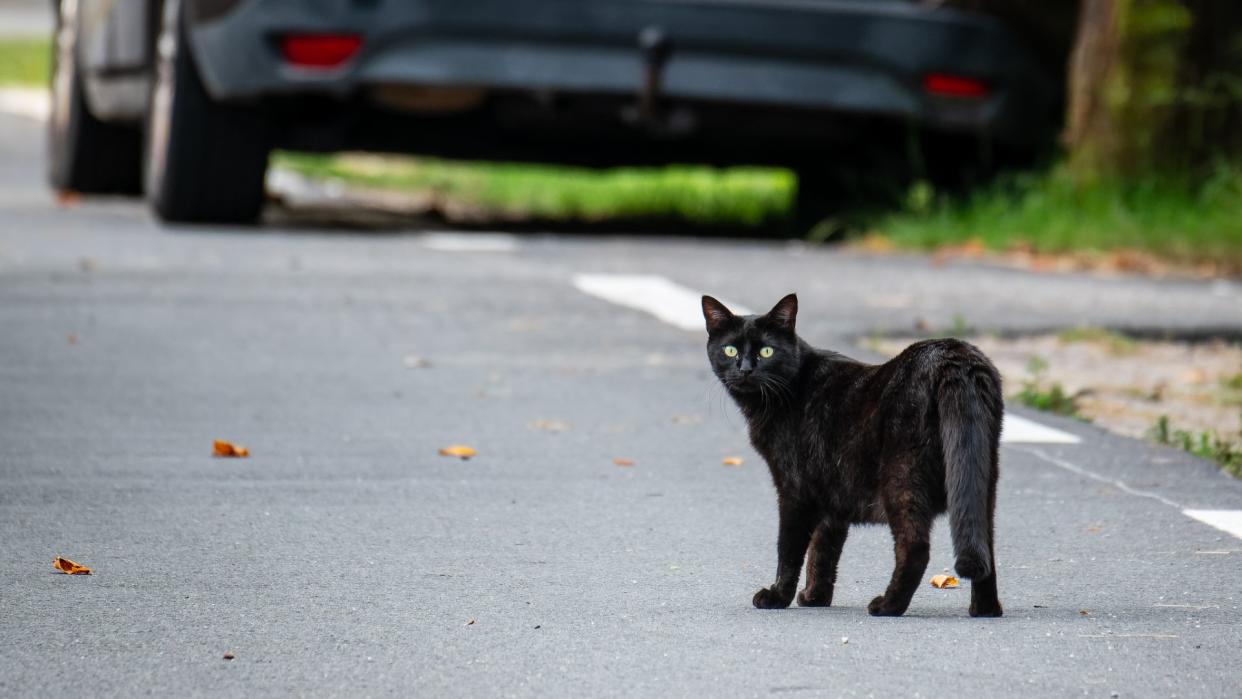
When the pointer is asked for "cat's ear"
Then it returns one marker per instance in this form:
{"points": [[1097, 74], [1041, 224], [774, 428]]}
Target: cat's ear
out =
{"points": [[716, 315], [785, 312]]}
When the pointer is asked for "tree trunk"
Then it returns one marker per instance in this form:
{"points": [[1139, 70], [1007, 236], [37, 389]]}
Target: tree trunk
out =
{"points": [[1089, 124], [1155, 87]]}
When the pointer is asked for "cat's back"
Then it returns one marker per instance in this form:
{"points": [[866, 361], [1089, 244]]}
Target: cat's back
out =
{"points": [[915, 375], [933, 356]]}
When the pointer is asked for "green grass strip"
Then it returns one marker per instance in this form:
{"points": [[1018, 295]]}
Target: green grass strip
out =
{"points": [[1051, 213], [25, 62], [735, 196]]}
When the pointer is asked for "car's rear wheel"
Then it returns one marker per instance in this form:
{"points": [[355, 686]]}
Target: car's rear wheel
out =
{"points": [[85, 154], [205, 161]]}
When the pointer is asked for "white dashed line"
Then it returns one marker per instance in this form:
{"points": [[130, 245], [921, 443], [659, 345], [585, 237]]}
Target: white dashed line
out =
{"points": [[1229, 521], [672, 303], [1018, 429], [469, 242]]}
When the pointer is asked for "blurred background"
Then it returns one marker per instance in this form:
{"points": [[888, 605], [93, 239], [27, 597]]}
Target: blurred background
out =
{"points": [[1103, 129]]}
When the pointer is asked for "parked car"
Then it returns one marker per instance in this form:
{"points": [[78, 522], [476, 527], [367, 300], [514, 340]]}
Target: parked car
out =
{"points": [[185, 99]]}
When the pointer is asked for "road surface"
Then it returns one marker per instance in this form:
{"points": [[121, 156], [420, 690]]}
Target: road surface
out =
{"points": [[346, 558]]}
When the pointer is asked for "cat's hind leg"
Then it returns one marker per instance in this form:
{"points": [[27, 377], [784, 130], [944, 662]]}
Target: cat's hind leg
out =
{"points": [[821, 564], [911, 526], [984, 600]]}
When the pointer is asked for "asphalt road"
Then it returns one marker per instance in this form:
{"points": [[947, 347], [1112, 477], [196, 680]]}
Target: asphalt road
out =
{"points": [[345, 557]]}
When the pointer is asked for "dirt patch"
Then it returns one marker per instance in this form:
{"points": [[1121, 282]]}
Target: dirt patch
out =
{"points": [[1105, 263]]}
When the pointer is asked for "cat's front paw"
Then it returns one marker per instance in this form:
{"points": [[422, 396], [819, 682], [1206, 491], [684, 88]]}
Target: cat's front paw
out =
{"points": [[808, 598], [880, 606], [768, 598]]}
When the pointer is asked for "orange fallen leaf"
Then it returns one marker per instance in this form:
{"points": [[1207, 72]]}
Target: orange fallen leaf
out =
{"points": [[229, 450], [67, 198], [461, 451], [68, 567], [623, 462], [943, 581], [731, 461]]}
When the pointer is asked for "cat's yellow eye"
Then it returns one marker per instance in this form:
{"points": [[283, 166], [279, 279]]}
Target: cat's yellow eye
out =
{"points": [[766, 352], [730, 351]]}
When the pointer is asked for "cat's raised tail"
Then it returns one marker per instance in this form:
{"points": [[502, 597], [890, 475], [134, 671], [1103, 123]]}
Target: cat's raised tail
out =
{"points": [[971, 407]]}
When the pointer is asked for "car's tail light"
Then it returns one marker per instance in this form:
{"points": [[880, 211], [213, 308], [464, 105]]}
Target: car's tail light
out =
{"points": [[320, 51], [943, 85]]}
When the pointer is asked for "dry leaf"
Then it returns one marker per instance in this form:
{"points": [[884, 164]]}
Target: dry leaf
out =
{"points": [[72, 339], [1083, 612], [731, 461], [461, 451], [550, 425], [68, 567], [470, 623], [943, 581], [229, 450], [623, 462], [228, 655]]}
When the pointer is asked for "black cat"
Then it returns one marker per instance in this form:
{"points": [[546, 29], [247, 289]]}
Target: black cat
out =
{"points": [[854, 443]]}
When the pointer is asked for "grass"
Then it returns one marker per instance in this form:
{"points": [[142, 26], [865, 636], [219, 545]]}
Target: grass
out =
{"points": [[1230, 391], [703, 195], [1051, 213], [25, 62], [1049, 397], [1206, 445], [1114, 342]]}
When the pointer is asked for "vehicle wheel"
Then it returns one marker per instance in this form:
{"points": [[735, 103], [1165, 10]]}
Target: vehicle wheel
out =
{"points": [[814, 200], [205, 161], [85, 154]]}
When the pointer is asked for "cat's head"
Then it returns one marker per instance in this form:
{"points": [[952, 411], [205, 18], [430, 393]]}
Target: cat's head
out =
{"points": [[752, 353]]}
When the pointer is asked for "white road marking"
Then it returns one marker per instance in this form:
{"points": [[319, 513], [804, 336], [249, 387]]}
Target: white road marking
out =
{"points": [[1229, 521], [1017, 429], [1188, 606], [681, 307], [469, 242], [672, 303], [31, 103], [1120, 485]]}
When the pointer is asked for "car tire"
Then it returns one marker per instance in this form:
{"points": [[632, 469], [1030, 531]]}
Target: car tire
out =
{"points": [[813, 201], [85, 154], [205, 161]]}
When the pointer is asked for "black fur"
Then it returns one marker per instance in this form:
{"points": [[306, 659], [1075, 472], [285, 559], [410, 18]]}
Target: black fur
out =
{"points": [[854, 443]]}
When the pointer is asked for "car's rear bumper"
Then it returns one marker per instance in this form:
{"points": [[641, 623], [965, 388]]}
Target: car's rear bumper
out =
{"points": [[844, 57]]}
